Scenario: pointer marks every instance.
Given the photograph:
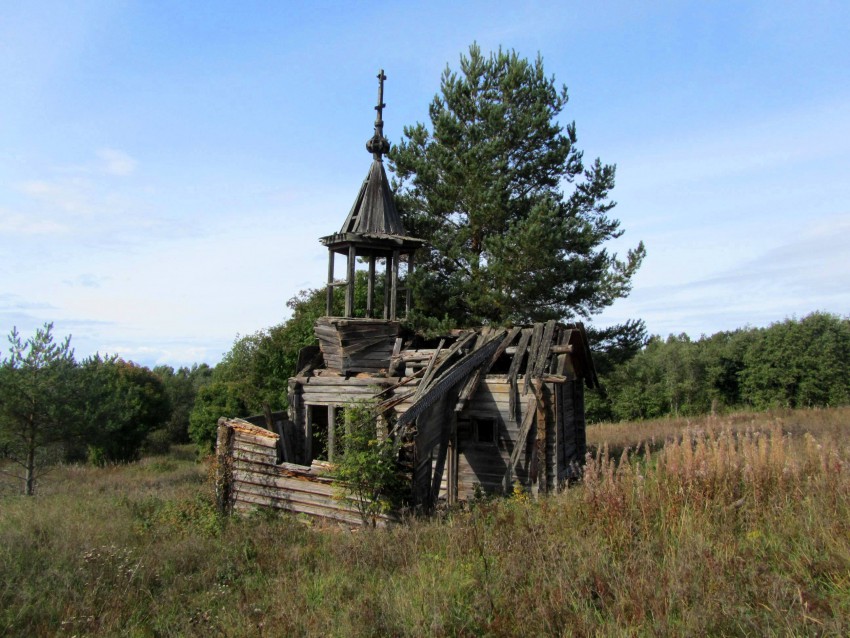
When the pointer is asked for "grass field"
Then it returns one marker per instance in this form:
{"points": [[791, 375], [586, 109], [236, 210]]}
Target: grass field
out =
{"points": [[738, 525]]}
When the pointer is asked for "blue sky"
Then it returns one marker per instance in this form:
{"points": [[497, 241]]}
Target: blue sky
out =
{"points": [[167, 168]]}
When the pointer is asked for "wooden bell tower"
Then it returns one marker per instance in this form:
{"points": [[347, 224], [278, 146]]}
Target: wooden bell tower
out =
{"points": [[373, 230]]}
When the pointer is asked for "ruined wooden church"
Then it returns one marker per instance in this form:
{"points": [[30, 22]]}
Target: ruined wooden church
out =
{"points": [[476, 410]]}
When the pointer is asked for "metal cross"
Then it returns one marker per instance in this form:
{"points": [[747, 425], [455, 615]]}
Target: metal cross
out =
{"points": [[378, 144], [381, 105]]}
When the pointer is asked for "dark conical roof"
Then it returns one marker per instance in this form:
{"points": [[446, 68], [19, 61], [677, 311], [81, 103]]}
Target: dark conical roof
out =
{"points": [[374, 210], [374, 225]]}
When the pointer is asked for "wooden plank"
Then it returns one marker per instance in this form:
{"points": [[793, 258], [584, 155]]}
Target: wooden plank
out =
{"points": [[394, 286], [536, 338], [426, 379], [521, 350], [370, 287], [263, 441], [329, 293], [545, 346], [320, 510], [254, 457], [299, 472], [448, 418], [540, 444], [262, 450], [286, 483], [349, 289], [525, 428], [331, 432], [335, 380], [513, 371], [286, 447], [474, 380]]}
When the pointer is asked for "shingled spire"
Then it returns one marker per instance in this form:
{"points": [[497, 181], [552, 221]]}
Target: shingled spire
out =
{"points": [[374, 210], [372, 229]]}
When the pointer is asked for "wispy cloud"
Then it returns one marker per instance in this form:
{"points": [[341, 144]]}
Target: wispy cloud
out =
{"points": [[68, 195], [10, 301], [16, 224], [793, 277], [86, 280], [115, 162]]}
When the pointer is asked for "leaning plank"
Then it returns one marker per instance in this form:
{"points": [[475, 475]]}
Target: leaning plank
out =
{"points": [[536, 338], [426, 379], [516, 362], [446, 381], [472, 382], [524, 429]]}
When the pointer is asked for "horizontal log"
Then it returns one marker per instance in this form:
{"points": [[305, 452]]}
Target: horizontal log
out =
{"points": [[254, 457], [342, 388], [267, 440], [350, 381], [247, 446], [285, 484], [295, 495], [262, 441], [312, 509], [278, 471]]}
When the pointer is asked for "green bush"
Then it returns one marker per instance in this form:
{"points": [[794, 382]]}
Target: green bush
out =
{"points": [[368, 466]]}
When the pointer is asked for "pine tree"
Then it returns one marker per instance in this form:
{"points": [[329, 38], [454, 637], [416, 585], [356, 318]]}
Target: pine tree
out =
{"points": [[37, 402], [515, 220]]}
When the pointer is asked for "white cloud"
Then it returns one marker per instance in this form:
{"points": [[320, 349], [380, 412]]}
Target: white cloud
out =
{"points": [[68, 195], [16, 224], [86, 280], [115, 162]]}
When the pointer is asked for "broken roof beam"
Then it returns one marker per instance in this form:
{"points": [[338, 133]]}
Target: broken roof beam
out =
{"points": [[472, 383], [445, 382]]}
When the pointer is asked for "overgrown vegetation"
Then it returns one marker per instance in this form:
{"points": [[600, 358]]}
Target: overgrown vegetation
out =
{"points": [[368, 468], [738, 526]]}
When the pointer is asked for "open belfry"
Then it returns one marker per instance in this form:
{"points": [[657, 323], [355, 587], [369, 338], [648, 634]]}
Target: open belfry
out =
{"points": [[474, 410]]}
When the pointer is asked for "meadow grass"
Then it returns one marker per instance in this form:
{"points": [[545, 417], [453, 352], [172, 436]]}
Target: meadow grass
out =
{"points": [[738, 525]]}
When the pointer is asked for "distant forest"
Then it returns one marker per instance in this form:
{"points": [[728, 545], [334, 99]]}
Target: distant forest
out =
{"points": [[796, 363]]}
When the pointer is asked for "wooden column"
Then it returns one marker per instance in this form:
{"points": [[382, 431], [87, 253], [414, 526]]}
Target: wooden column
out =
{"points": [[394, 291], [349, 288], [330, 301], [408, 293], [387, 277], [331, 433], [540, 452], [224, 467], [451, 469], [308, 434], [370, 292]]}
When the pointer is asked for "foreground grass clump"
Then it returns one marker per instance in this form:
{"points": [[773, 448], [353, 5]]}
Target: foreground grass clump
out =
{"points": [[733, 527]]}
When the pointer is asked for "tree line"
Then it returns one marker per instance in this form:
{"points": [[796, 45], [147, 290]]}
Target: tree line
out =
{"points": [[794, 363], [101, 410]]}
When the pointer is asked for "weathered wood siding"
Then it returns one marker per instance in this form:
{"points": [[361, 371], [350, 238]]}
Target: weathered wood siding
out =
{"points": [[356, 345], [485, 464], [252, 478]]}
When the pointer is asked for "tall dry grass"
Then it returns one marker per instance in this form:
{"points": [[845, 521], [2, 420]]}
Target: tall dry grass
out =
{"points": [[735, 527]]}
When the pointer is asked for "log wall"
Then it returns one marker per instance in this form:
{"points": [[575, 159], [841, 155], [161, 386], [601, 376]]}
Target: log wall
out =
{"points": [[249, 477]]}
